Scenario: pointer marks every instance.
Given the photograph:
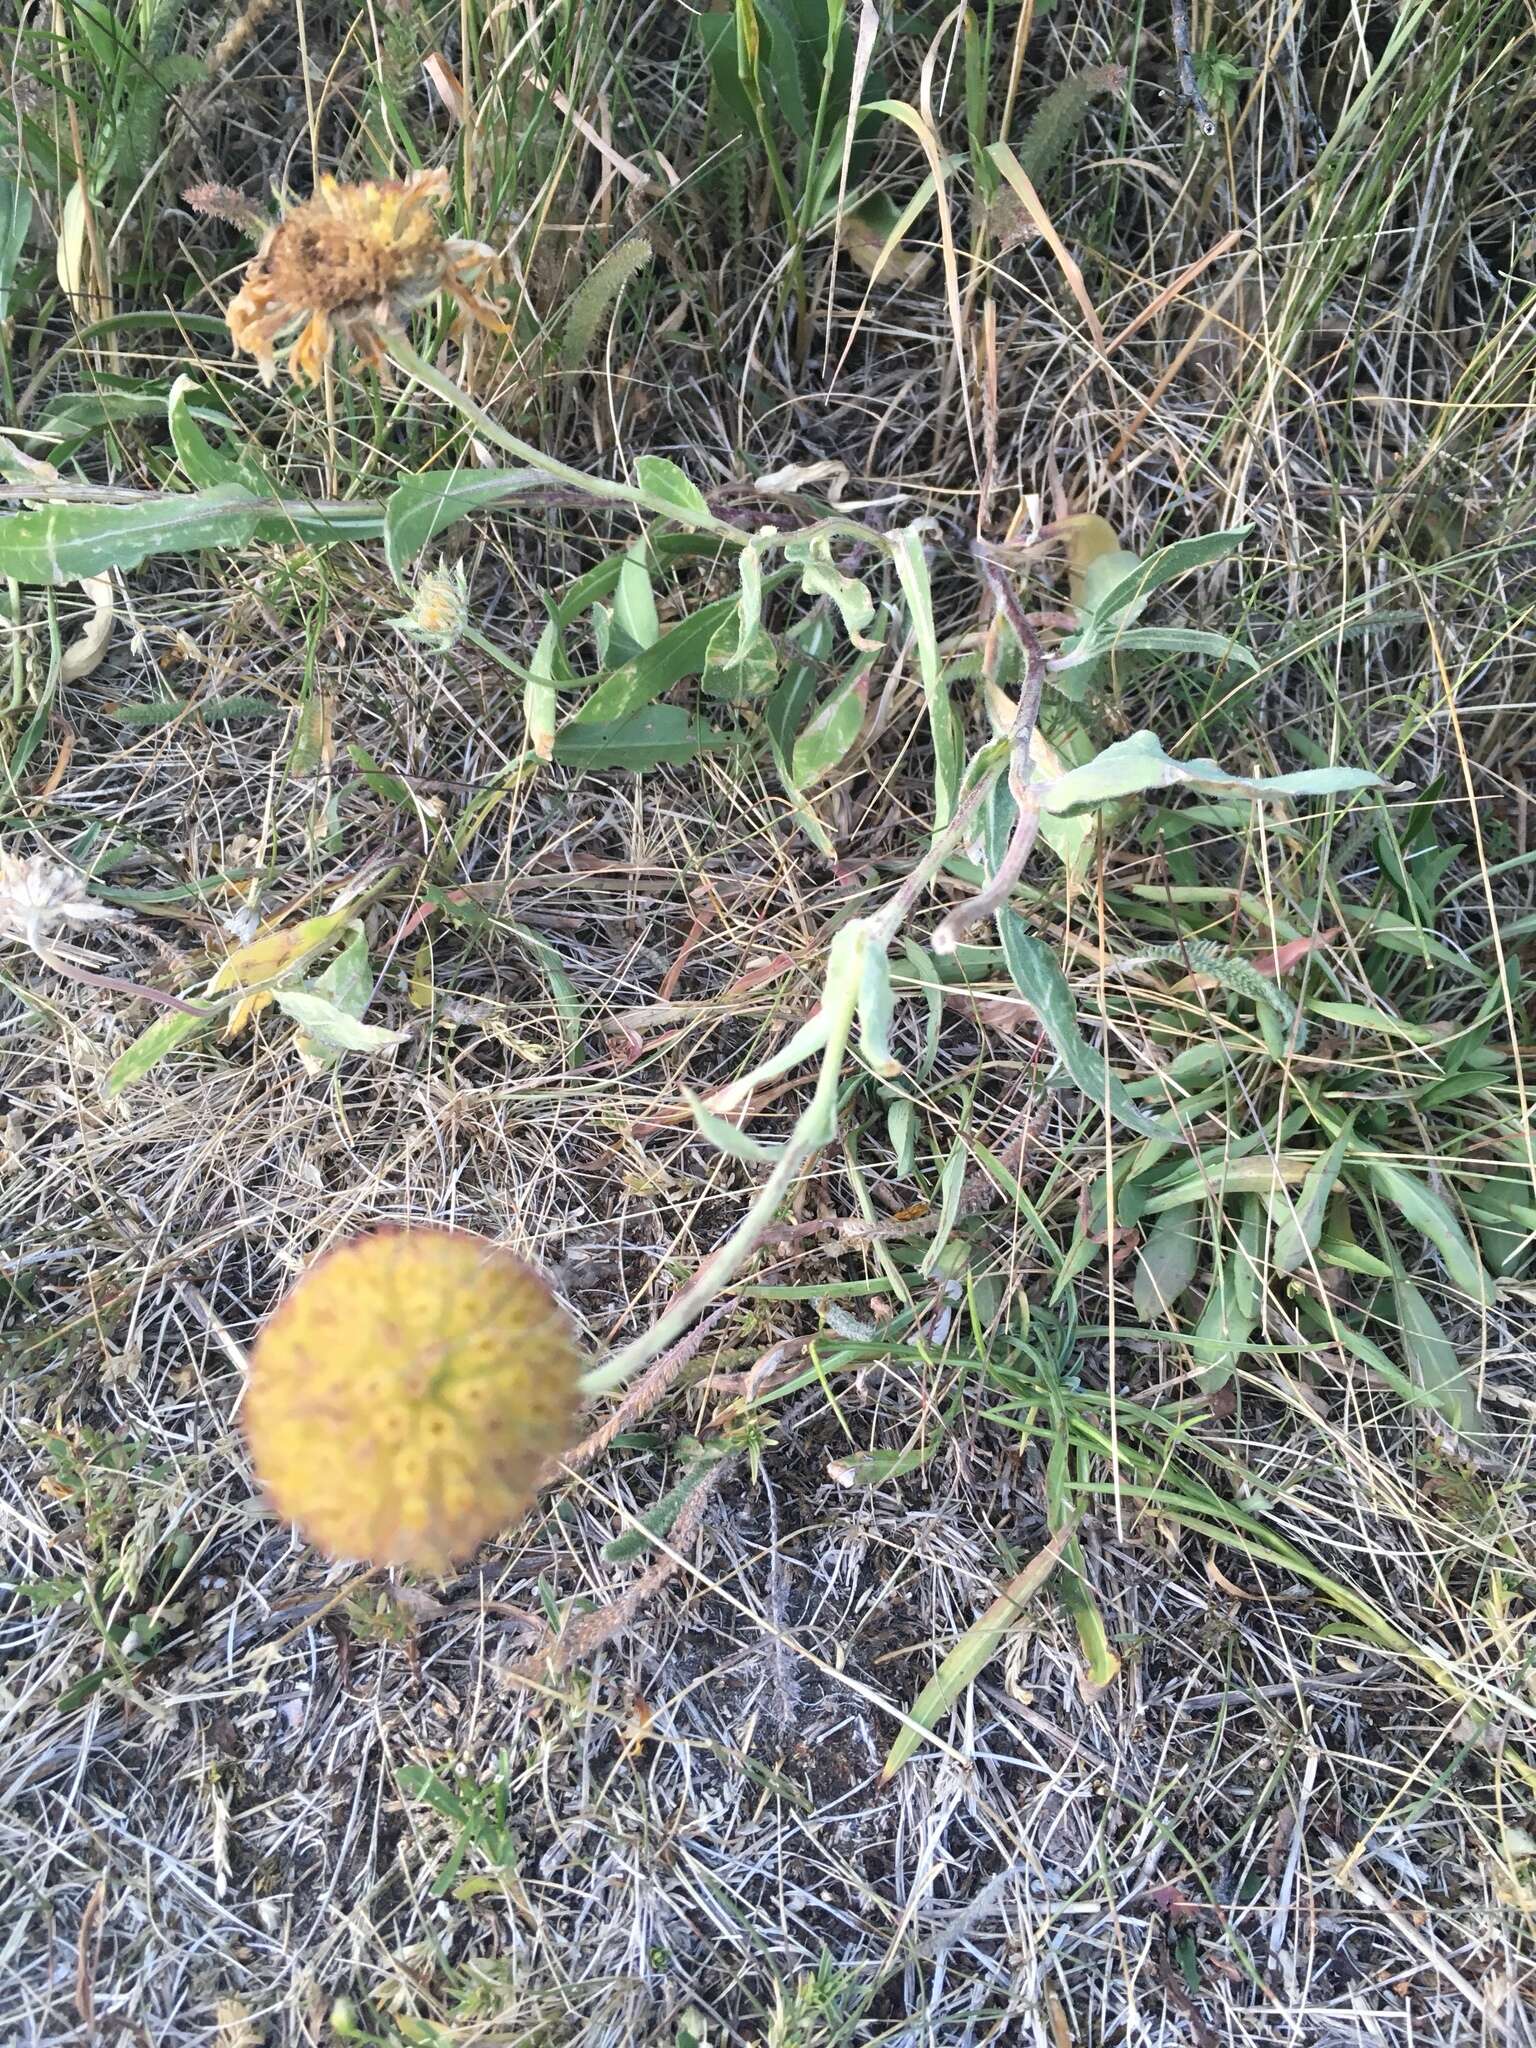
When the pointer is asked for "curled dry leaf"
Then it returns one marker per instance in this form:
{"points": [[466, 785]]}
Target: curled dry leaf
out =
{"points": [[84, 655]]}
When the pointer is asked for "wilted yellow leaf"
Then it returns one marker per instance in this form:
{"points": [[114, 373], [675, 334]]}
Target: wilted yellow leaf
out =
{"points": [[270, 956]]}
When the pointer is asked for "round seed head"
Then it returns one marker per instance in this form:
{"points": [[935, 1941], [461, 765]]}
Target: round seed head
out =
{"points": [[406, 1395]]}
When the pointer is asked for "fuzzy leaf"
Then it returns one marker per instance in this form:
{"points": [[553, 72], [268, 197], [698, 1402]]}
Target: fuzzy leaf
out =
{"points": [[1300, 1224], [646, 676], [331, 1028], [830, 732], [948, 744], [15, 218], [1135, 765], [151, 1046], [645, 739], [1431, 1215], [728, 1137], [1165, 1265], [660, 478], [1226, 1322], [1433, 1361], [1043, 985], [422, 506], [1127, 595], [66, 543], [205, 466]]}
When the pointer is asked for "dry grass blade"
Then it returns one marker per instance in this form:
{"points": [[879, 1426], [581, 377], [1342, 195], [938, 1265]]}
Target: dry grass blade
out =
{"points": [[974, 1651]]}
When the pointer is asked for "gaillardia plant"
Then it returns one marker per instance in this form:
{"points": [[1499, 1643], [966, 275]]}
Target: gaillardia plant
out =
{"points": [[407, 1393]]}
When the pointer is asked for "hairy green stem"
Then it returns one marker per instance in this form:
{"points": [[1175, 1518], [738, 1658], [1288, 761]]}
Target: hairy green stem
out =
{"points": [[442, 386], [817, 1124]]}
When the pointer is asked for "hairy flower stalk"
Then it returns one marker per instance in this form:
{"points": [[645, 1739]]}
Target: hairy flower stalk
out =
{"points": [[356, 261]]}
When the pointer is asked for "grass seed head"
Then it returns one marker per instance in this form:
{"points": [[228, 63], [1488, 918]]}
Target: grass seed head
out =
{"points": [[354, 260], [407, 1393]]}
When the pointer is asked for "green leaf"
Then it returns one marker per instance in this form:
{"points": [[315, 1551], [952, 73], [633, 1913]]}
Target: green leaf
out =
{"points": [[645, 739], [1092, 646], [348, 981], [1135, 765], [1226, 1322], [728, 1137], [951, 1186], [15, 219], [634, 602], [659, 478], [831, 731], [205, 467], [1103, 573], [421, 506], [380, 781], [1433, 1361], [65, 543], [1166, 1265], [1127, 594], [1363, 1018], [1433, 1217], [541, 703], [641, 680], [1218, 1177], [948, 746], [330, 1026], [974, 1651], [1505, 1220], [151, 1046], [877, 1008], [1042, 984], [1300, 1225], [727, 650], [901, 1129], [732, 673], [821, 577]]}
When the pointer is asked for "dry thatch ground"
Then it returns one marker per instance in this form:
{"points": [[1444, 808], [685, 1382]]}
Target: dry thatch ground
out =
{"points": [[249, 1798]]}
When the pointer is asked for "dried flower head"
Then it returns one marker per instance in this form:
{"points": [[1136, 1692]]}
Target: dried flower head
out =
{"points": [[354, 260], [439, 610], [407, 1393], [37, 897]]}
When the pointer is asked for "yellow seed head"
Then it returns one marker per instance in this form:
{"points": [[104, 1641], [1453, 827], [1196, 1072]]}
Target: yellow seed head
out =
{"points": [[407, 1393]]}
